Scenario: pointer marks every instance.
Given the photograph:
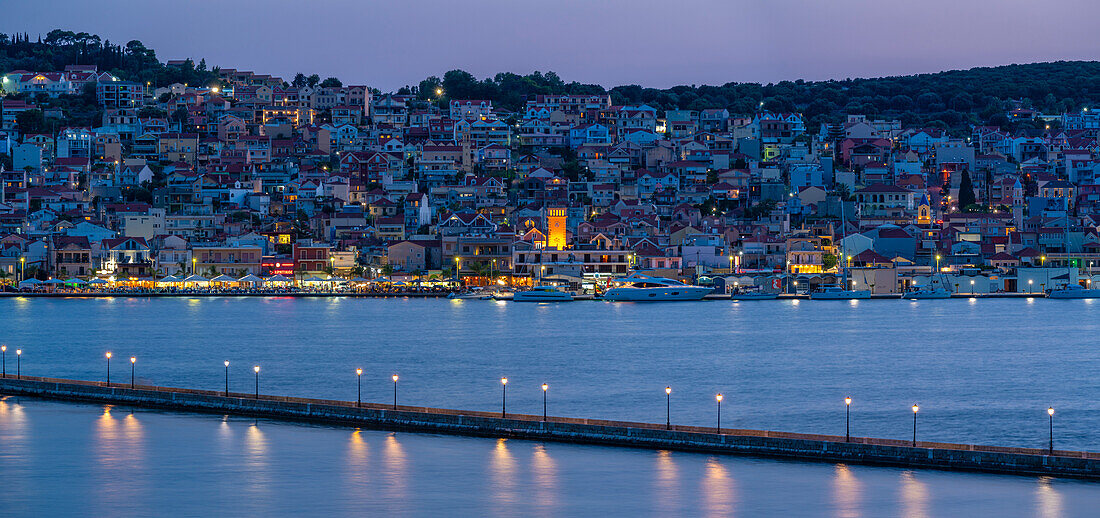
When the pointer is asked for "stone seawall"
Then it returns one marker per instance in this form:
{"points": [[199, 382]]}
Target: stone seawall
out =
{"points": [[827, 448]]}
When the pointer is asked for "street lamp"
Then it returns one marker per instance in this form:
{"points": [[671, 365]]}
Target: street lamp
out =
{"points": [[718, 398], [226, 378], [544, 388], [193, 262], [847, 415], [358, 387], [668, 408], [1030, 282], [394, 377], [108, 368], [915, 410], [503, 396], [4, 352], [18, 359], [133, 362], [256, 369], [1050, 412], [937, 262], [971, 286], [22, 269]]}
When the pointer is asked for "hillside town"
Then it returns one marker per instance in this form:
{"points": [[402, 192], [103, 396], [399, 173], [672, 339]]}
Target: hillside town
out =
{"points": [[253, 177]]}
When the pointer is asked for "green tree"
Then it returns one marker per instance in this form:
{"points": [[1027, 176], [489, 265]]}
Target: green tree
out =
{"points": [[966, 191]]}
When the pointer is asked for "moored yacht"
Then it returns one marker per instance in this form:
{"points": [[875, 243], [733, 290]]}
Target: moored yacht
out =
{"points": [[542, 294], [838, 293], [1074, 291], [754, 293], [639, 287]]}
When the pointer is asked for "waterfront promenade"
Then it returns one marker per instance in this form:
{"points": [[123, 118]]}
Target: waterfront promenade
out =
{"points": [[827, 448]]}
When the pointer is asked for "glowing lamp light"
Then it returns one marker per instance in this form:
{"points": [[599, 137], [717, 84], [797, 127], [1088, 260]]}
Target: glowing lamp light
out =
{"points": [[108, 355], [256, 369], [718, 397], [915, 408], [668, 390], [358, 372], [503, 381], [226, 363], [1050, 411], [394, 378], [545, 387], [848, 401], [133, 359]]}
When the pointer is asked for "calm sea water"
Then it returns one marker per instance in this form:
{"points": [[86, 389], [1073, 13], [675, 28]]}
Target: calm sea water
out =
{"points": [[982, 371], [63, 459]]}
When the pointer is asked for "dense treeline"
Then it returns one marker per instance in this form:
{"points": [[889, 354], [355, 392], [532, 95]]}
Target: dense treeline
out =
{"points": [[132, 61], [953, 100]]}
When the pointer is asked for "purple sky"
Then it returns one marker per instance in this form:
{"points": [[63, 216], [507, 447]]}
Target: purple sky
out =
{"points": [[611, 42]]}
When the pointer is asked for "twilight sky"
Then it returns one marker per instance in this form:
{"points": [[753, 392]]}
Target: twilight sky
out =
{"points": [[387, 44]]}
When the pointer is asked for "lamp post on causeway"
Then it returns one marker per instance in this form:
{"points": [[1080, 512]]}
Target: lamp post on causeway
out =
{"points": [[1050, 412], [256, 369], [915, 410], [18, 358], [108, 368], [718, 398], [847, 415], [358, 388], [544, 387], [4, 352], [668, 408], [226, 378], [503, 396], [394, 377], [133, 361]]}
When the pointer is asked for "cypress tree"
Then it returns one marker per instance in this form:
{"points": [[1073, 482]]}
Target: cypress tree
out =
{"points": [[966, 191]]}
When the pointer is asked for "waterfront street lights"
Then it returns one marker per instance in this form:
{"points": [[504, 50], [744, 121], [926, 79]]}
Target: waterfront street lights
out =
{"points": [[544, 387], [668, 408], [972, 286], [1050, 412], [1030, 282], [394, 377], [226, 362], [18, 359], [133, 361], [937, 262], [108, 368], [847, 421], [503, 396], [4, 352], [22, 269], [358, 388], [256, 369], [718, 398], [194, 262], [915, 410]]}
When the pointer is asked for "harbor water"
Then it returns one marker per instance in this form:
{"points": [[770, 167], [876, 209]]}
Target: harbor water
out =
{"points": [[982, 371]]}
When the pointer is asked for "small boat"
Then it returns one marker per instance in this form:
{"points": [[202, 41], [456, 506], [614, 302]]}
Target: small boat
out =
{"points": [[935, 293], [542, 294], [838, 293], [1074, 291], [752, 294], [467, 295], [638, 287]]}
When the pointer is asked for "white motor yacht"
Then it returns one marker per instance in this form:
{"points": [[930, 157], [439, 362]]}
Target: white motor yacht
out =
{"points": [[1074, 291], [639, 287], [838, 293], [542, 294]]}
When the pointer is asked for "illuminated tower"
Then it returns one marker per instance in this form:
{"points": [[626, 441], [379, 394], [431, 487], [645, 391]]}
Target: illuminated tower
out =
{"points": [[924, 211], [555, 227]]}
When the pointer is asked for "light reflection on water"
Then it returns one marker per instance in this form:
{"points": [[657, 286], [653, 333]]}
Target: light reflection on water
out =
{"points": [[847, 491], [143, 462]]}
